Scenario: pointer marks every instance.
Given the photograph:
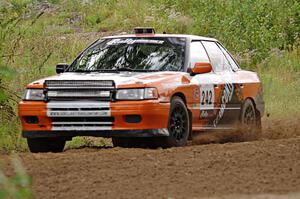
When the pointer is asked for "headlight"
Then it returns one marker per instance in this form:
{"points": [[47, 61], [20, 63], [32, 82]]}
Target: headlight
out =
{"points": [[34, 94], [137, 94]]}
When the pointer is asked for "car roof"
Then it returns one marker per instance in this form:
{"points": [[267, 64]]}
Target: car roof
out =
{"points": [[192, 37]]}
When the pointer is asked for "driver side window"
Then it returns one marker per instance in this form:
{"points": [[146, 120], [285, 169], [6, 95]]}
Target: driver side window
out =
{"points": [[197, 53]]}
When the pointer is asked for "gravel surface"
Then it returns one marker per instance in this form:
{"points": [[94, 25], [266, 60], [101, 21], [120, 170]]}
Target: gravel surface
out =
{"points": [[265, 169]]}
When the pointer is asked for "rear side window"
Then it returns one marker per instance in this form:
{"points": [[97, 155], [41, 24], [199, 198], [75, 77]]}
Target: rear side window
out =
{"points": [[197, 53], [233, 64], [217, 58]]}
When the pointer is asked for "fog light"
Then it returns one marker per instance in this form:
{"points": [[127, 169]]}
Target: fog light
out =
{"points": [[32, 119], [133, 118]]}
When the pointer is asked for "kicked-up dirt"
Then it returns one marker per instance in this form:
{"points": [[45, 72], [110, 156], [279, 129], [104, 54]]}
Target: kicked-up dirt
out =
{"points": [[265, 169]]}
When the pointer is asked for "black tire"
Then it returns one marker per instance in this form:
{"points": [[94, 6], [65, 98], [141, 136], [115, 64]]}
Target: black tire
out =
{"points": [[121, 142], [44, 145], [130, 142], [179, 125], [250, 122]]}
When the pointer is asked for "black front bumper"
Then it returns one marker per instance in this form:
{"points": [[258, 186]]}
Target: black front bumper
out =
{"points": [[105, 133]]}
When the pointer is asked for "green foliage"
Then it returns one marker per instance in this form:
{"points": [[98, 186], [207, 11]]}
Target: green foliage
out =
{"points": [[78, 142], [10, 139], [12, 14], [281, 79], [246, 27], [254, 27], [17, 186]]}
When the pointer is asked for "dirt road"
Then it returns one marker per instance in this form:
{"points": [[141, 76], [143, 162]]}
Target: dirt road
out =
{"points": [[268, 168]]}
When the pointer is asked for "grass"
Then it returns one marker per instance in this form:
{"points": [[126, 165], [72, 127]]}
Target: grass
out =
{"points": [[79, 142], [281, 80], [37, 34], [17, 186]]}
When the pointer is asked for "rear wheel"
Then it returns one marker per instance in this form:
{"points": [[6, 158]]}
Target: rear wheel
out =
{"points": [[250, 122], [43, 145]]}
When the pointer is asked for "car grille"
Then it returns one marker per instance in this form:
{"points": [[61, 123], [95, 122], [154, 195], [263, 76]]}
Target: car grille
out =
{"points": [[61, 90], [79, 83], [80, 115]]}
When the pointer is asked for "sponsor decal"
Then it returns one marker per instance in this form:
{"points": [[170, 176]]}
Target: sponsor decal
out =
{"points": [[76, 113], [225, 98], [134, 41]]}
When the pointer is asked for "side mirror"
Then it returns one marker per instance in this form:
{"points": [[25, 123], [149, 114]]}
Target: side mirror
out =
{"points": [[201, 67], [60, 68]]}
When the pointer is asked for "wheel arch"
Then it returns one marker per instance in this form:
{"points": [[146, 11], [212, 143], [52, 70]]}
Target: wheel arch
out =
{"points": [[179, 94]]}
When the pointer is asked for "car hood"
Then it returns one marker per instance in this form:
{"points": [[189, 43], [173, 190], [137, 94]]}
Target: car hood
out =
{"points": [[122, 79]]}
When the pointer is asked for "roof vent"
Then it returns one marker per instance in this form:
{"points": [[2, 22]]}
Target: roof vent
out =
{"points": [[142, 30]]}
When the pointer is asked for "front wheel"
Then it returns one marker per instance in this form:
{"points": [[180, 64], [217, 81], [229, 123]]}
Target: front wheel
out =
{"points": [[43, 145], [179, 125]]}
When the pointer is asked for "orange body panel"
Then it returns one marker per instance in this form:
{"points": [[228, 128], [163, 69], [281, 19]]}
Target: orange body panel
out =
{"points": [[251, 91], [154, 114], [34, 108]]}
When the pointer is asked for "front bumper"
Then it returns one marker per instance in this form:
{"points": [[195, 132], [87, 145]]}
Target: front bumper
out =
{"points": [[153, 119]]}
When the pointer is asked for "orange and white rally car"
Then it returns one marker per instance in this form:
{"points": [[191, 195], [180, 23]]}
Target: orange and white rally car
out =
{"points": [[142, 88]]}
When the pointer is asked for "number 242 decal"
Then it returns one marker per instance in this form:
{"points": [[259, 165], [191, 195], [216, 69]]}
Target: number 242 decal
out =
{"points": [[207, 97]]}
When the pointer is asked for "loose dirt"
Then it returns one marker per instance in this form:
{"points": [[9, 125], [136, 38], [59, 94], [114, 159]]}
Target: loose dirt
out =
{"points": [[265, 169]]}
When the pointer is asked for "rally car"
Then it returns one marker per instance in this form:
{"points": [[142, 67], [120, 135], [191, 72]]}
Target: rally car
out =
{"points": [[150, 88]]}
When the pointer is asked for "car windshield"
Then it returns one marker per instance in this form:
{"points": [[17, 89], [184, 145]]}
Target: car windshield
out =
{"points": [[132, 54]]}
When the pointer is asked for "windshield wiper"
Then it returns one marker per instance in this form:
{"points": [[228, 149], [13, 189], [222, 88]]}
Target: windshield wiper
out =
{"points": [[124, 69], [80, 71], [135, 70], [92, 71], [113, 70]]}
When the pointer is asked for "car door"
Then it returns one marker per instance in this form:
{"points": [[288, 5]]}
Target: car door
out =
{"points": [[204, 111], [227, 106]]}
